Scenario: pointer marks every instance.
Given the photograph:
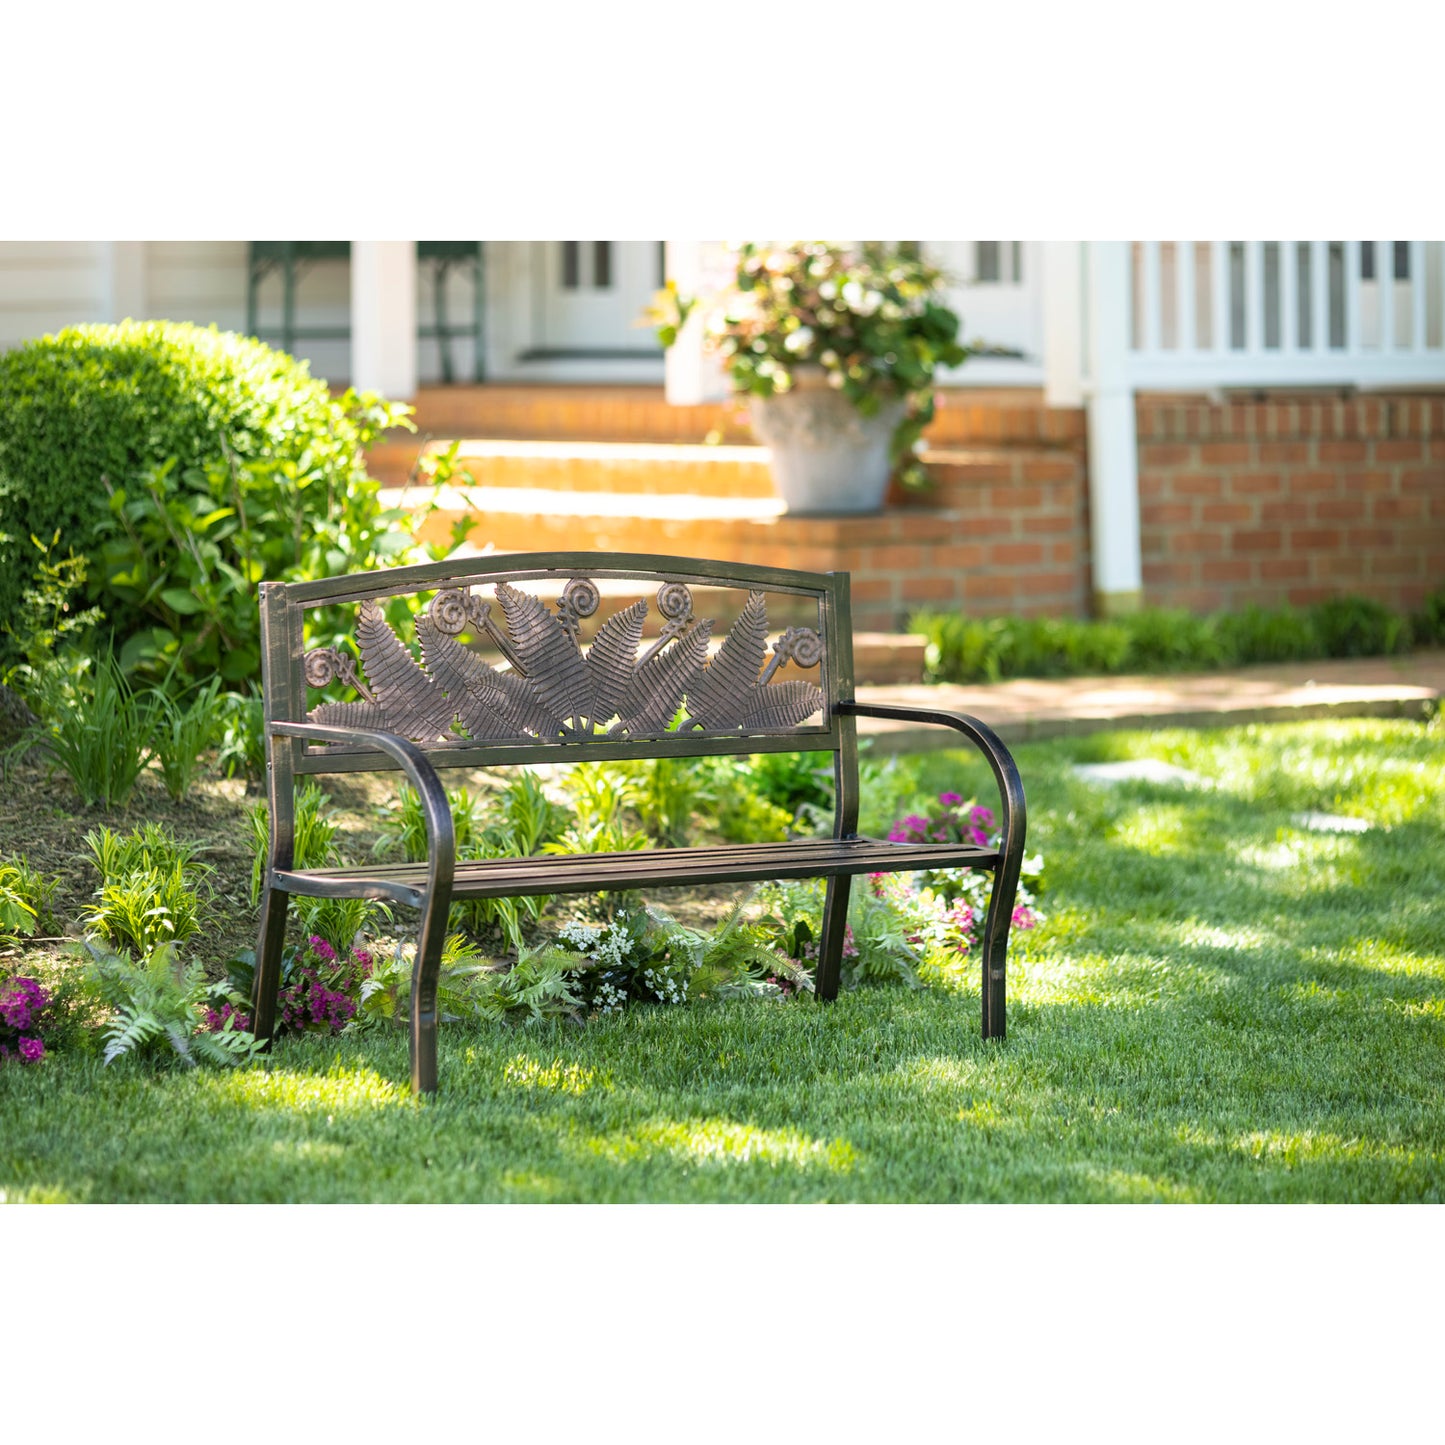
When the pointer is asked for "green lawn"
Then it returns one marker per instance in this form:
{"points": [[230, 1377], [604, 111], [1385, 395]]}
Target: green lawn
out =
{"points": [[1222, 1006]]}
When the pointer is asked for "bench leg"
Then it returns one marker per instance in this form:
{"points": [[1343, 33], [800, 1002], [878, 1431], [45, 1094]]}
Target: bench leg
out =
{"points": [[430, 936], [267, 982], [830, 946], [996, 924]]}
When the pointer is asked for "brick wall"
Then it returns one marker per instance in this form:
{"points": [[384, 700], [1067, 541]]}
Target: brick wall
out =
{"points": [[1291, 501]]}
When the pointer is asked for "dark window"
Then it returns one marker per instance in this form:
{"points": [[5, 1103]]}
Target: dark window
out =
{"points": [[1402, 260], [1272, 298], [986, 260], [1367, 260], [1337, 295], [1304, 293], [571, 264], [602, 264]]}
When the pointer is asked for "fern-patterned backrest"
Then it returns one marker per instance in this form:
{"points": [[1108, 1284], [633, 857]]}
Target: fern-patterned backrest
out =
{"points": [[519, 657]]}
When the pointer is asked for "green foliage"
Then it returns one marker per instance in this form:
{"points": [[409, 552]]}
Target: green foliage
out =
{"points": [[149, 888], [190, 463], [96, 729], [1428, 625], [340, 921], [472, 988], [159, 1008], [403, 827], [25, 896], [669, 794], [973, 649], [314, 834], [183, 733], [872, 316], [1359, 627], [49, 627], [243, 736]]}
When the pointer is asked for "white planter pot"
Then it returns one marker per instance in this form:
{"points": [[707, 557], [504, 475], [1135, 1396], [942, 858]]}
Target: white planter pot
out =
{"points": [[826, 456]]}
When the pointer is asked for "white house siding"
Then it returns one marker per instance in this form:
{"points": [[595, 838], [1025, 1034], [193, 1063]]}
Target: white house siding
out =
{"points": [[46, 285]]}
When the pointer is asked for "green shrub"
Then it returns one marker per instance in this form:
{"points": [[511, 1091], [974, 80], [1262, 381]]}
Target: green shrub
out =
{"points": [[25, 897], [183, 733], [974, 649], [191, 464], [1358, 627]]}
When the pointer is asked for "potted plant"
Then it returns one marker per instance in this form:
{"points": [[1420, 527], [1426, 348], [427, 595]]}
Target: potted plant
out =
{"points": [[835, 347]]}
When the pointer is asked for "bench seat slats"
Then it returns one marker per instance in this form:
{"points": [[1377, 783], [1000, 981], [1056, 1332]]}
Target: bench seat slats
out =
{"points": [[662, 867]]}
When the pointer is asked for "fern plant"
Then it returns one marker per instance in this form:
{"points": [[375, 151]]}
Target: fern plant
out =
{"points": [[160, 1009]]}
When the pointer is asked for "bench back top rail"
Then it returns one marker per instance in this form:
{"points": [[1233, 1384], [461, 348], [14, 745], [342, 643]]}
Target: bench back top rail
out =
{"points": [[525, 658]]}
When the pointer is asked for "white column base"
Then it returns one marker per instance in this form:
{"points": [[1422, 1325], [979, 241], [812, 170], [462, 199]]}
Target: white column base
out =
{"points": [[1114, 499], [383, 318]]}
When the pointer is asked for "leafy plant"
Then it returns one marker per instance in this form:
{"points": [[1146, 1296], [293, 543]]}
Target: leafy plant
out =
{"points": [[97, 730], [49, 627], [162, 1007], [147, 847], [403, 827], [872, 316], [183, 733], [314, 834], [243, 737], [669, 794], [1358, 627], [25, 896], [145, 908]]}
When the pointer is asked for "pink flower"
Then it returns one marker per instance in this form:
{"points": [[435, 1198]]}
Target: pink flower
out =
{"points": [[321, 949], [950, 800], [31, 1050]]}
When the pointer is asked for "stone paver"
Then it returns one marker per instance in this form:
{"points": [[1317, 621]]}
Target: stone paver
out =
{"points": [[1027, 708]]}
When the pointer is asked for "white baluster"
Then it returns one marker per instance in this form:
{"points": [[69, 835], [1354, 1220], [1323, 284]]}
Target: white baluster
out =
{"points": [[1184, 296], [1352, 298], [1385, 289], [1253, 296], [1417, 295], [1288, 297], [1219, 294]]}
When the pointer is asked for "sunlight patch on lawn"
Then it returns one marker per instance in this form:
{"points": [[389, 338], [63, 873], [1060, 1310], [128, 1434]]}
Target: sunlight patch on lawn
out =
{"points": [[558, 1078], [1131, 1188], [721, 1143], [308, 1093], [1389, 957], [1156, 829], [309, 1150], [1274, 1146], [935, 1071], [38, 1194]]}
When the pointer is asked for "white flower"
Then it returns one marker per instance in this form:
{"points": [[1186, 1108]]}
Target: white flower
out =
{"points": [[835, 378], [798, 341], [829, 358]]}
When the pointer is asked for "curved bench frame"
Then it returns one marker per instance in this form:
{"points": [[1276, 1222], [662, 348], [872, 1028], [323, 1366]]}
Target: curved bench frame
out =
{"points": [[351, 748]]}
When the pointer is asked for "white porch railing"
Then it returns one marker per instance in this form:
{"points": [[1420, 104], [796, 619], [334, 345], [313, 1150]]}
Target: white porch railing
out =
{"points": [[1259, 313]]}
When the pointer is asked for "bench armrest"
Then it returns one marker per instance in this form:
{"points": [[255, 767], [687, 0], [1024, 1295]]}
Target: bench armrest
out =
{"points": [[440, 834], [1013, 813]]}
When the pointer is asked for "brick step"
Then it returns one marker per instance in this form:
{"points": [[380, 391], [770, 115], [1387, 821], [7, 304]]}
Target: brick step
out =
{"points": [[901, 558], [707, 471], [993, 417]]}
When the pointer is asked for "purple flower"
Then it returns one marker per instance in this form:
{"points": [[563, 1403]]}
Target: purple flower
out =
{"points": [[950, 800], [31, 1050], [1024, 917], [981, 817], [979, 837], [321, 949]]}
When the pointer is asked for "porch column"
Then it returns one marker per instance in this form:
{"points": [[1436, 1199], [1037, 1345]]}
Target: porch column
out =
{"points": [[1113, 440], [383, 318], [1063, 303], [123, 285], [691, 376]]}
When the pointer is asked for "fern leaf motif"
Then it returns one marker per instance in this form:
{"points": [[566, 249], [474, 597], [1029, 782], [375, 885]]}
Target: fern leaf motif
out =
{"points": [[407, 702], [611, 659], [660, 684], [716, 700], [554, 663], [472, 687], [781, 705]]}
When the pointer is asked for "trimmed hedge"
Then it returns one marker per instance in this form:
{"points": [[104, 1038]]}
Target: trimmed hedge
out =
{"points": [[170, 417], [974, 649]]}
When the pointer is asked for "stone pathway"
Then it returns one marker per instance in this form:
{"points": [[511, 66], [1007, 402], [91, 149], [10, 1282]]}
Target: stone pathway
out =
{"points": [[1029, 708]]}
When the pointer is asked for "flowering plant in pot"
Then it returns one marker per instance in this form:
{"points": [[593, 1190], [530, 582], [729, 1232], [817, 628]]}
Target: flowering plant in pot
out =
{"points": [[836, 347]]}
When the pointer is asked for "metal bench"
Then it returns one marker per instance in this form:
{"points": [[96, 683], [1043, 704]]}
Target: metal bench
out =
{"points": [[538, 671]]}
